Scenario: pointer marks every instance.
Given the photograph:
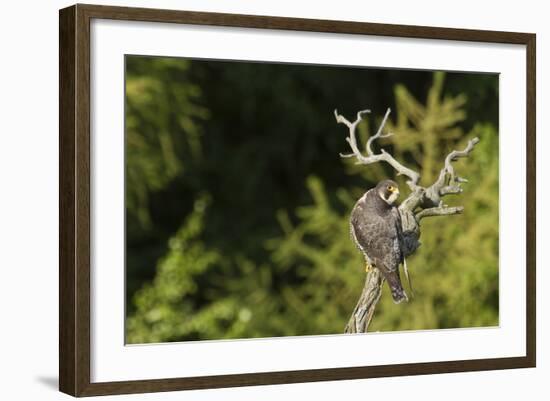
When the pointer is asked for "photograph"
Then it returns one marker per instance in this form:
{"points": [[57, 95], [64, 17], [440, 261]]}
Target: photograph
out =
{"points": [[275, 199], [358, 193]]}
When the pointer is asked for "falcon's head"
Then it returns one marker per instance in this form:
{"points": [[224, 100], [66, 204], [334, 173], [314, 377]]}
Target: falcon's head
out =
{"points": [[388, 191]]}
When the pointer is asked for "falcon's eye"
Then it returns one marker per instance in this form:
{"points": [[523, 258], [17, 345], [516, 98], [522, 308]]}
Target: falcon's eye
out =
{"points": [[390, 188]]}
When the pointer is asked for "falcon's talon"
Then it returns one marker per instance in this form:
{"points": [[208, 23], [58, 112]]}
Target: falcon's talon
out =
{"points": [[368, 267]]}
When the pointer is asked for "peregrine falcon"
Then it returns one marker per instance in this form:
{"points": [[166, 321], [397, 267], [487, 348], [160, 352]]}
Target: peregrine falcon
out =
{"points": [[375, 226]]}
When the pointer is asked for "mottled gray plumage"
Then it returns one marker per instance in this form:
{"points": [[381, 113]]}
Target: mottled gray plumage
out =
{"points": [[375, 225]]}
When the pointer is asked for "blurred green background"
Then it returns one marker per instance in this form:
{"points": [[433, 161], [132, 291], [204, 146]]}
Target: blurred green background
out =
{"points": [[237, 201]]}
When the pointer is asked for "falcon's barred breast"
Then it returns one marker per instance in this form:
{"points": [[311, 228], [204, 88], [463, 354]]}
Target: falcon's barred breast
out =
{"points": [[375, 225]]}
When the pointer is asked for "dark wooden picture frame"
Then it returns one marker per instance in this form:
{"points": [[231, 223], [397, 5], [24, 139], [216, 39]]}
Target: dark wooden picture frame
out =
{"points": [[74, 204]]}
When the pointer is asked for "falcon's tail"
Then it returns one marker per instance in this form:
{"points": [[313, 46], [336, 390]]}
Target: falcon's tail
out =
{"points": [[397, 292], [408, 277]]}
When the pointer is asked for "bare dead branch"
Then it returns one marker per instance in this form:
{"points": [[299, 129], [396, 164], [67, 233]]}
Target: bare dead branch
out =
{"points": [[455, 155], [371, 157], [450, 189], [364, 310], [439, 211], [448, 182], [422, 202], [378, 133]]}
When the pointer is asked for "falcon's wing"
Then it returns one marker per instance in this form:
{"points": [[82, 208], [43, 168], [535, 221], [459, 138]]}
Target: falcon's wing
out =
{"points": [[399, 230], [379, 238], [399, 227], [376, 236]]}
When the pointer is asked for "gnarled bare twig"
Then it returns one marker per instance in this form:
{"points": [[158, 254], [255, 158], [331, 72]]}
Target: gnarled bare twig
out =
{"points": [[371, 156], [439, 211], [364, 309], [379, 133], [422, 202], [448, 182]]}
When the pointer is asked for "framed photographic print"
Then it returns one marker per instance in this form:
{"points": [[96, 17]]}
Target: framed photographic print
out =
{"points": [[250, 200]]}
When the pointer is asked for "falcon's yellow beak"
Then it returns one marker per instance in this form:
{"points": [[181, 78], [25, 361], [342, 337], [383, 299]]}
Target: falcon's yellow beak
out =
{"points": [[393, 190]]}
